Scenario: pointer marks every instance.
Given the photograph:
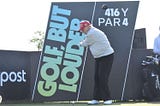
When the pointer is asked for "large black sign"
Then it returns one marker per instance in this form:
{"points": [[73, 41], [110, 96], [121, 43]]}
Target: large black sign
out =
{"points": [[62, 58], [63, 61], [118, 21]]}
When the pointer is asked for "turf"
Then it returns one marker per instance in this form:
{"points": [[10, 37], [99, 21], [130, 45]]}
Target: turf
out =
{"points": [[85, 104]]}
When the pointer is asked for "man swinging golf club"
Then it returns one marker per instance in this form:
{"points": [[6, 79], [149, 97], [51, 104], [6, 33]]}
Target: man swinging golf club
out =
{"points": [[103, 54]]}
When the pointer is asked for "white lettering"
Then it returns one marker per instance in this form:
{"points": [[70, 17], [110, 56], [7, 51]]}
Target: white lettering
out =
{"points": [[12, 77], [101, 21], [124, 11], [113, 22]]}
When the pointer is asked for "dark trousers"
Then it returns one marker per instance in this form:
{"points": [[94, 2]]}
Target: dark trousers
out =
{"points": [[103, 67]]}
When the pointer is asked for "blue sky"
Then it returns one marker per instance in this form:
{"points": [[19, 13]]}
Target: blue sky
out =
{"points": [[19, 20]]}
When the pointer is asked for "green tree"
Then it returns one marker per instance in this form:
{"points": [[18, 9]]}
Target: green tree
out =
{"points": [[38, 40]]}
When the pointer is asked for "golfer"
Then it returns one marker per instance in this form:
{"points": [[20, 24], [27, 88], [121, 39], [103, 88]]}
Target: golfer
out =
{"points": [[103, 54]]}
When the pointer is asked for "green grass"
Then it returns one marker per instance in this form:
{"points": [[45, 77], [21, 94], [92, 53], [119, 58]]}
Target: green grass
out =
{"points": [[84, 103]]}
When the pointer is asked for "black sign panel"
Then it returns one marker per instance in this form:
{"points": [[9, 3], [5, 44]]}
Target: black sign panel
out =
{"points": [[118, 21], [63, 60], [14, 76]]}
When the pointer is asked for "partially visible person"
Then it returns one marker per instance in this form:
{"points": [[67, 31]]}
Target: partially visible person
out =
{"points": [[103, 54], [156, 48]]}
